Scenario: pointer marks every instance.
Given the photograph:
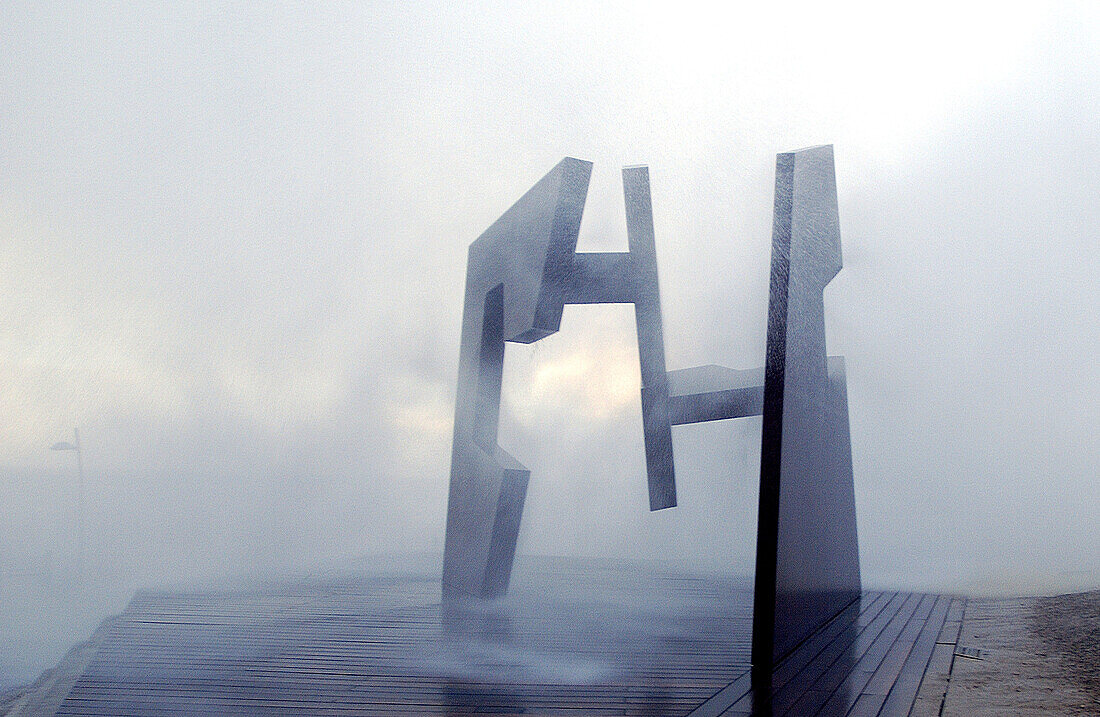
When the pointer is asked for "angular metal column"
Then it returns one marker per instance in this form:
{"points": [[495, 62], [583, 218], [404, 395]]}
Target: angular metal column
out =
{"points": [[807, 557]]}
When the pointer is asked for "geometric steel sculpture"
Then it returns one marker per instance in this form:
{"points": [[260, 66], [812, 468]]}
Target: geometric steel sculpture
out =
{"points": [[520, 274]]}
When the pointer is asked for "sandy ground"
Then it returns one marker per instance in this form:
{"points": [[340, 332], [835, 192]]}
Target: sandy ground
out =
{"points": [[1028, 657], [1070, 626]]}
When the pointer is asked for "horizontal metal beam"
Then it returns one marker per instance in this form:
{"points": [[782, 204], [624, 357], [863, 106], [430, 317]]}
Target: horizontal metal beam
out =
{"points": [[600, 278], [714, 393]]}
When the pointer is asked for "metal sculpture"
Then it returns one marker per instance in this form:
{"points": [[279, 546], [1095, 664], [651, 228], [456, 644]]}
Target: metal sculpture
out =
{"points": [[807, 557], [520, 274]]}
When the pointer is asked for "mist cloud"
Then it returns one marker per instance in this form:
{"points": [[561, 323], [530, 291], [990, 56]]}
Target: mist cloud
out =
{"points": [[234, 246]]}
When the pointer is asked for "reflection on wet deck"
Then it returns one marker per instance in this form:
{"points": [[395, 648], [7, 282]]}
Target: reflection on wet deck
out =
{"points": [[569, 639]]}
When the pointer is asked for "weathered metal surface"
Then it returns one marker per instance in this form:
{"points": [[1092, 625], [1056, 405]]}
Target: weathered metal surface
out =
{"points": [[514, 278], [520, 274], [807, 560]]}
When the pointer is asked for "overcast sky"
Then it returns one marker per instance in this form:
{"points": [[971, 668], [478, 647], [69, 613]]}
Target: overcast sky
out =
{"points": [[233, 240]]}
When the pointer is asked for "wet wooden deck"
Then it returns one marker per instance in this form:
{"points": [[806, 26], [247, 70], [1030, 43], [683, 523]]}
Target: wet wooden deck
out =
{"points": [[871, 660], [609, 641]]}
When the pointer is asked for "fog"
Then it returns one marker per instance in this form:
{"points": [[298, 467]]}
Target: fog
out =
{"points": [[233, 252]]}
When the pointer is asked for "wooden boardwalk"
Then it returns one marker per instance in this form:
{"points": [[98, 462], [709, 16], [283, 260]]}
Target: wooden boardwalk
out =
{"points": [[870, 660], [606, 641]]}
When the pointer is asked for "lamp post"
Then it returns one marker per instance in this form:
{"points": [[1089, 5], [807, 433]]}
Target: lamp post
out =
{"points": [[75, 447]]}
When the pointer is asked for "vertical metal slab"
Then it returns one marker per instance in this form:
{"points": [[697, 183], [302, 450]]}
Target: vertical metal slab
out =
{"points": [[807, 563], [651, 341]]}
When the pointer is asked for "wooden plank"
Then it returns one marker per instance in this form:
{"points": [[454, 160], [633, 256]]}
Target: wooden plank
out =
{"points": [[883, 678], [807, 681], [363, 648], [932, 692], [728, 702], [866, 706], [379, 647], [904, 690], [826, 685], [849, 691], [721, 702], [810, 649]]}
